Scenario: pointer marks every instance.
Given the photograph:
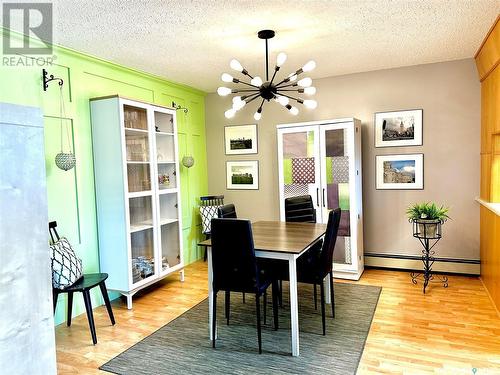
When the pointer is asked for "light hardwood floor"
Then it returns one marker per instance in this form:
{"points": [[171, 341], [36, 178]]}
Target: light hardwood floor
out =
{"points": [[448, 331]]}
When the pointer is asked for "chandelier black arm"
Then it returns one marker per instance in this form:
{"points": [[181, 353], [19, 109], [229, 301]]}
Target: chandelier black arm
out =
{"points": [[299, 100], [286, 79], [274, 75], [294, 90], [245, 73], [248, 84], [249, 90], [252, 99], [290, 85]]}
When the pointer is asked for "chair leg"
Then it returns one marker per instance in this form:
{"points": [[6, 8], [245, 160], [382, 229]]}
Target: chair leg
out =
{"points": [[90, 316], [105, 296], [332, 294], [205, 255], [55, 295], [243, 297], [322, 291], [214, 318], [257, 307], [275, 304], [70, 308], [227, 304], [315, 296], [265, 307]]}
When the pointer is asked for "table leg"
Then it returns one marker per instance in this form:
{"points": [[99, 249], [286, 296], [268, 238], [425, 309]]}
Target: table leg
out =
{"points": [[326, 282], [210, 294], [294, 306]]}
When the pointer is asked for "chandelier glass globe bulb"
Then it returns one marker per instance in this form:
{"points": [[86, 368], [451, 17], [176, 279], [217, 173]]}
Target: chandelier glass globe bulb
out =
{"points": [[283, 100], [235, 65], [280, 60], [305, 82], [311, 104], [309, 66], [310, 90], [223, 91], [256, 81], [230, 113], [227, 77]]}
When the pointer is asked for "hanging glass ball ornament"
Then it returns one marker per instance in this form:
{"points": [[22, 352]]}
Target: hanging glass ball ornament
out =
{"points": [[188, 161], [65, 161]]}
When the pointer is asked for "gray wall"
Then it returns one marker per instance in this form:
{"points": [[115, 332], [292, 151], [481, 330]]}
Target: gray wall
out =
{"points": [[449, 94], [27, 343]]}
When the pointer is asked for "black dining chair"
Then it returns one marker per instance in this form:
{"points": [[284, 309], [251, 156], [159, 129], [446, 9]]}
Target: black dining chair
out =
{"points": [[235, 268], [83, 285], [313, 267], [209, 205], [301, 209], [227, 211]]}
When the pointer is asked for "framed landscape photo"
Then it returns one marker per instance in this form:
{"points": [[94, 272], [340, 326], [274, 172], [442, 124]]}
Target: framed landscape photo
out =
{"points": [[398, 128], [242, 175], [396, 172], [240, 139]]}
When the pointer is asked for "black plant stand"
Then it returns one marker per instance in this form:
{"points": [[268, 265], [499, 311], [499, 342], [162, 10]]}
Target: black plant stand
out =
{"points": [[428, 233]]}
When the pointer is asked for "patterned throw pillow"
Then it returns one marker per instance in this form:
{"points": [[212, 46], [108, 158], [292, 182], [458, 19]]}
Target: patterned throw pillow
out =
{"points": [[66, 266], [207, 214]]}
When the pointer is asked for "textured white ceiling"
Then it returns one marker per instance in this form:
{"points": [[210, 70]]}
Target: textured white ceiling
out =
{"points": [[192, 42]]}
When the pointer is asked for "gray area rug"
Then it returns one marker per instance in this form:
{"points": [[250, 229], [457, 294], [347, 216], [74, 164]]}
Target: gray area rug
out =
{"points": [[183, 347]]}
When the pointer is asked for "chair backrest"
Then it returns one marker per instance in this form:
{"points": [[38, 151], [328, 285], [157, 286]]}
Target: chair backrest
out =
{"points": [[209, 205], [227, 211], [233, 255], [326, 257], [300, 209], [212, 200], [54, 236]]}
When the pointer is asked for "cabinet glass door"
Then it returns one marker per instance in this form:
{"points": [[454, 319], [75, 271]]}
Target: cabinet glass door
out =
{"points": [[137, 149], [166, 169], [170, 250], [299, 169], [141, 216], [165, 150], [337, 158], [140, 200]]}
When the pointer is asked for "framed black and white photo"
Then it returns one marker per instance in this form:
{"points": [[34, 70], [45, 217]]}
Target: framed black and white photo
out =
{"points": [[398, 128], [395, 172], [242, 175], [240, 139]]}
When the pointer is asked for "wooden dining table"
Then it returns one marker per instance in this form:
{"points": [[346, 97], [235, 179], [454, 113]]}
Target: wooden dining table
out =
{"points": [[283, 241]]}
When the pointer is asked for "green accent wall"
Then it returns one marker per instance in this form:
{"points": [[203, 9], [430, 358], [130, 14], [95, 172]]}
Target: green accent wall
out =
{"points": [[71, 195]]}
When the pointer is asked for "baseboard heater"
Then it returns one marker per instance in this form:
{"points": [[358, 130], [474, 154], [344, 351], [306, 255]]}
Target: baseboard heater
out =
{"points": [[414, 262]]}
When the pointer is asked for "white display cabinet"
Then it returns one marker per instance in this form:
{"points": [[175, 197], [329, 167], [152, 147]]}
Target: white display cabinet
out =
{"points": [[323, 159], [137, 193]]}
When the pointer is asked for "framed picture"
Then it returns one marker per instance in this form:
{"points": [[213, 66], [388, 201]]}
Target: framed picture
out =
{"points": [[242, 175], [398, 128], [240, 139], [397, 172]]}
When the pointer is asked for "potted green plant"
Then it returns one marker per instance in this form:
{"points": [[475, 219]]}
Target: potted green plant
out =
{"points": [[428, 216]]}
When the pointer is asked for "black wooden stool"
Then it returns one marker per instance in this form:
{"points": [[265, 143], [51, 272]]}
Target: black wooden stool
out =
{"points": [[83, 285]]}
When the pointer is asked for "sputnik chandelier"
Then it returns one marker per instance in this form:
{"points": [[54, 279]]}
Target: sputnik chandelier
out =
{"points": [[281, 92]]}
